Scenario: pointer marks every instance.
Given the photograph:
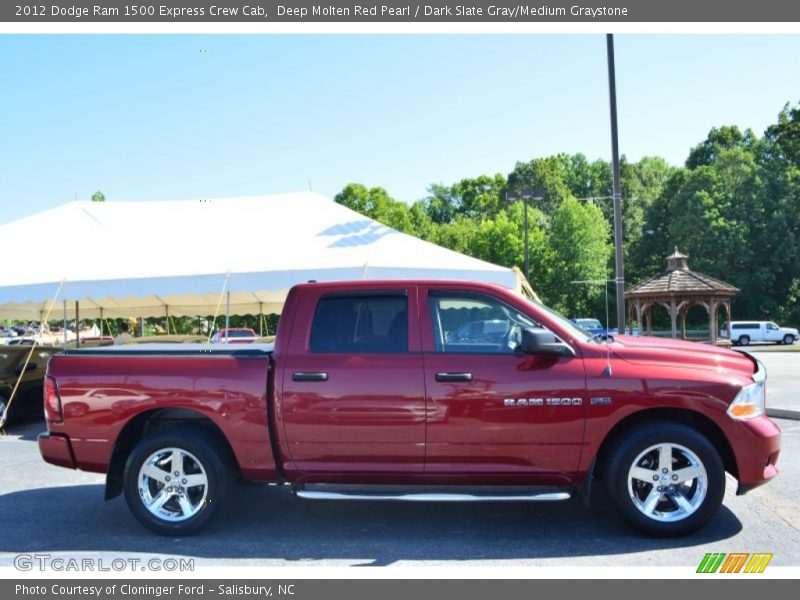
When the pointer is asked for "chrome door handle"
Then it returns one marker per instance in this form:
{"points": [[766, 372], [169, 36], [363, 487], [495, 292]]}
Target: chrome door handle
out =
{"points": [[304, 376], [450, 377]]}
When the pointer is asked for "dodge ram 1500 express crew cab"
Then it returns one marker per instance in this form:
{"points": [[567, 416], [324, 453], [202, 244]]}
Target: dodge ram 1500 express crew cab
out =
{"points": [[384, 390]]}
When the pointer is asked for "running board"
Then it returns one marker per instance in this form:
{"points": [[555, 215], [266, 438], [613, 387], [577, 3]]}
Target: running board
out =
{"points": [[547, 495]]}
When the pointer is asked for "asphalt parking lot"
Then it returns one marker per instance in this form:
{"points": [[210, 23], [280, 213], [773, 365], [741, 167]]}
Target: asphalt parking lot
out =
{"points": [[49, 509], [783, 377]]}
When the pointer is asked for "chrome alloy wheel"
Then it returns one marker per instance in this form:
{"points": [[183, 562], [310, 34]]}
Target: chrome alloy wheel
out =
{"points": [[667, 482], [173, 484]]}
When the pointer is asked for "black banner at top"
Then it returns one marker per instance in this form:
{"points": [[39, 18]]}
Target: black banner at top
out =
{"points": [[387, 11]]}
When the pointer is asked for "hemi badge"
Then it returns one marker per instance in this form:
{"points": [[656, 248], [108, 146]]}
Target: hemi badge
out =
{"points": [[601, 400]]}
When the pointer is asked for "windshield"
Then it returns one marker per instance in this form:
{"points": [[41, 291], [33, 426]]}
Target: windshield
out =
{"points": [[576, 331]]}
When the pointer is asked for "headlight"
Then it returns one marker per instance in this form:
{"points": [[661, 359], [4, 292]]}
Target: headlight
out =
{"points": [[749, 402]]}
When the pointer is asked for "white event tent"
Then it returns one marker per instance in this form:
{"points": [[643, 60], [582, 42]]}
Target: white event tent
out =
{"points": [[146, 259]]}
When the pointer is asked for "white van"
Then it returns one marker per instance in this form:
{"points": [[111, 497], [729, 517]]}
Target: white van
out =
{"points": [[744, 332]]}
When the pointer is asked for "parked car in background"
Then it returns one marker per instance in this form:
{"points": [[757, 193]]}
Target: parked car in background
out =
{"points": [[167, 339], [26, 341], [234, 335], [595, 327], [745, 332], [93, 342], [6, 335], [28, 400]]}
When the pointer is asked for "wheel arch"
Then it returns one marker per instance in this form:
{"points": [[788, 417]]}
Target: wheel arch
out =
{"points": [[151, 421], [697, 421]]}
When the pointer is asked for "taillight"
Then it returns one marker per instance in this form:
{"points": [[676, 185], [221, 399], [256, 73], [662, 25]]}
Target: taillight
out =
{"points": [[52, 401]]}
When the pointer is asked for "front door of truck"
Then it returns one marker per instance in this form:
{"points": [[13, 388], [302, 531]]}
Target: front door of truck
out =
{"points": [[772, 332], [492, 411], [353, 393]]}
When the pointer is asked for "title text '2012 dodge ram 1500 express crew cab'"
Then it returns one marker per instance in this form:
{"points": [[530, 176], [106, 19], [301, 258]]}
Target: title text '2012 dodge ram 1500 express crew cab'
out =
{"points": [[375, 390]]}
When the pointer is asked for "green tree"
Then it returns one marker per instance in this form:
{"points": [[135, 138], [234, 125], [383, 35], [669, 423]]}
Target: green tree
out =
{"points": [[737, 221], [475, 198], [439, 205], [734, 208], [785, 135], [377, 204], [579, 251], [642, 183], [501, 240], [549, 174], [479, 197], [98, 196], [719, 139]]}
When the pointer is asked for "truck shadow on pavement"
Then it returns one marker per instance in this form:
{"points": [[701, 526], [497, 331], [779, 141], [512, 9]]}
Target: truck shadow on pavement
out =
{"points": [[269, 524], [24, 429]]}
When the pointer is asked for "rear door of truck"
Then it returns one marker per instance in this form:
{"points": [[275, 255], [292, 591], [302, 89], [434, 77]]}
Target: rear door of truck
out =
{"points": [[353, 395]]}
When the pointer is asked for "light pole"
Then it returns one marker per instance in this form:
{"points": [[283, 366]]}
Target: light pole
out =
{"points": [[526, 194], [617, 194]]}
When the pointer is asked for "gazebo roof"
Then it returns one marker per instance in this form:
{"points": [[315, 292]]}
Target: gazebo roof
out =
{"points": [[679, 280]]}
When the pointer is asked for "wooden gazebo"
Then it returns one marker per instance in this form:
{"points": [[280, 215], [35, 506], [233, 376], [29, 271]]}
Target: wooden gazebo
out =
{"points": [[678, 289]]}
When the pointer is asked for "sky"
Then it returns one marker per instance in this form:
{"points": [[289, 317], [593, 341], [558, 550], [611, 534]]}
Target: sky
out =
{"points": [[156, 117]]}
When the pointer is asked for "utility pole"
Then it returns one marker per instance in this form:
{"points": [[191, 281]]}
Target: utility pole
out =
{"points": [[617, 195], [526, 194]]}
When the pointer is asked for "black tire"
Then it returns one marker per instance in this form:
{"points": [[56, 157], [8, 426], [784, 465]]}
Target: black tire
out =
{"points": [[205, 453], [631, 445], [788, 339], [744, 340]]}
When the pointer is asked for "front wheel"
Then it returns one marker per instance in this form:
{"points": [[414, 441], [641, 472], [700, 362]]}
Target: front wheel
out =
{"points": [[175, 481], [788, 339], [665, 478]]}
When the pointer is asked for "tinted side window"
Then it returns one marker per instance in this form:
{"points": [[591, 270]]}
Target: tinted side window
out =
{"points": [[364, 323], [478, 325]]}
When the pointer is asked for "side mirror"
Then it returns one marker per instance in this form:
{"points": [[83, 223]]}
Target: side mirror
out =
{"points": [[541, 341]]}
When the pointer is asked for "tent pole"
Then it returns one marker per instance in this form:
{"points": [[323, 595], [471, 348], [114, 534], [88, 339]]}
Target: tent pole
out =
{"points": [[101, 321], [166, 308], [77, 324], [260, 319], [227, 315], [65, 323]]}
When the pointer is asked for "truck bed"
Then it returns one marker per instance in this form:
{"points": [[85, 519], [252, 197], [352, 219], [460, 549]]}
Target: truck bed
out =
{"points": [[105, 390]]}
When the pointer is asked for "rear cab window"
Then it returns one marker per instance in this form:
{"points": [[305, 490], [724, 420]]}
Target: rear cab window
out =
{"points": [[354, 323]]}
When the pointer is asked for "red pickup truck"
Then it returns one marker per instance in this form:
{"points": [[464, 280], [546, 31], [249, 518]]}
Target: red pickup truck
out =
{"points": [[388, 391]]}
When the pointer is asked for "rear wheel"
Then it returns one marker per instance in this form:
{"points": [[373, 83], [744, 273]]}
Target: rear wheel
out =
{"points": [[665, 478], [744, 340], [175, 480], [788, 339]]}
